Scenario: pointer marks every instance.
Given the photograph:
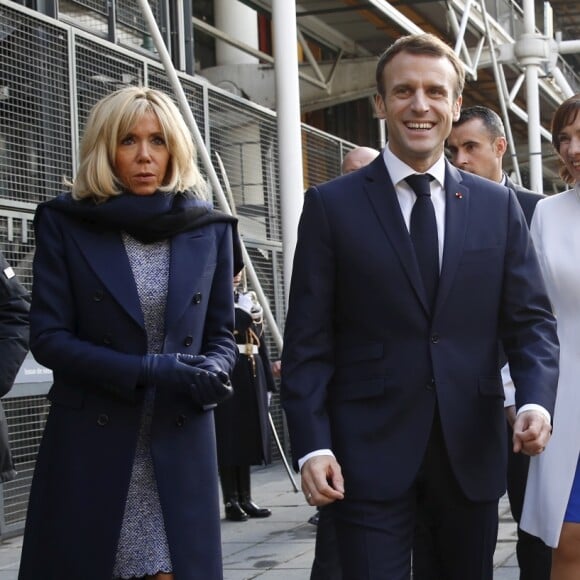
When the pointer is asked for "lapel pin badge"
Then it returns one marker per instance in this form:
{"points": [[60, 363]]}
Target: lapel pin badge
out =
{"points": [[459, 195]]}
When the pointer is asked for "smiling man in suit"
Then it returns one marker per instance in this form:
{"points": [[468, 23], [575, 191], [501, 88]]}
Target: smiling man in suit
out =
{"points": [[406, 274]]}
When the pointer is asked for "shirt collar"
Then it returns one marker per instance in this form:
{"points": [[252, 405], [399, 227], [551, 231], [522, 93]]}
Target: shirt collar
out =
{"points": [[399, 170]]}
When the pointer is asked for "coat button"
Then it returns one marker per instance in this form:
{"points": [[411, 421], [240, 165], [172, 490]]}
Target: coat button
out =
{"points": [[107, 339], [196, 298], [188, 341], [435, 339], [180, 420], [98, 295], [102, 419]]}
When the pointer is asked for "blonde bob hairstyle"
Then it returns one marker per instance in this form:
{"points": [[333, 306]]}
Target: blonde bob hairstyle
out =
{"points": [[110, 121]]}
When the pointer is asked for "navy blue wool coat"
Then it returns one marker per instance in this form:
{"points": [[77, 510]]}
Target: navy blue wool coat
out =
{"points": [[87, 325]]}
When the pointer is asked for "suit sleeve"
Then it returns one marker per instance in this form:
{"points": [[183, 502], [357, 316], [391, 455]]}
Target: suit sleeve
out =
{"points": [[527, 325], [14, 307], [308, 354]]}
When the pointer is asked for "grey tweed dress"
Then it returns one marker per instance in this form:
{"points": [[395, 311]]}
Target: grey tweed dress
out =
{"points": [[143, 548]]}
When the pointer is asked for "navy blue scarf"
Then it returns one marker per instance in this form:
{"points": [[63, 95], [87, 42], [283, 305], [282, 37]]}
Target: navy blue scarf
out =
{"points": [[148, 218]]}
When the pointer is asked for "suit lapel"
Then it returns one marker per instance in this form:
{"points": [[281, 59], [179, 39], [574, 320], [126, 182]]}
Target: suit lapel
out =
{"points": [[190, 252], [106, 255], [456, 212], [383, 198]]}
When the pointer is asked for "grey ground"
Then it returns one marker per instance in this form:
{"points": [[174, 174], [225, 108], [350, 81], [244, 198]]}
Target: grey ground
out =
{"points": [[282, 547]]}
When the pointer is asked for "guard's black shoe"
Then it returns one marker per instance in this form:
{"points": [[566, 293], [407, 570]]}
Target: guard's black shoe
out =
{"points": [[253, 510], [234, 512]]}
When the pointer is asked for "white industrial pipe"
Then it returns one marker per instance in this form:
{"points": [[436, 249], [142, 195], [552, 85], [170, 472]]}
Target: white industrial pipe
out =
{"points": [[289, 130], [239, 21], [531, 59], [502, 91]]}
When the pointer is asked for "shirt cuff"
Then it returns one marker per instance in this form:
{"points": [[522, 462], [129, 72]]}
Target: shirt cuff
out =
{"points": [[534, 407], [316, 453], [509, 389]]}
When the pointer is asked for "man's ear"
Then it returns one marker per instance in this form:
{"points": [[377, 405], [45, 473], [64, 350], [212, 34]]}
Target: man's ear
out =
{"points": [[380, 108], [500, 145], [457, 108]]}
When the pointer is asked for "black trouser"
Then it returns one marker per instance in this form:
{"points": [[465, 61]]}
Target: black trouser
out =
{"points": [[326, 565], [235, 482]]}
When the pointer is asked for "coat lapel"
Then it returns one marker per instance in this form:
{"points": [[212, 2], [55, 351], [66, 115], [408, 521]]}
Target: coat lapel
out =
{"points": [[382, 195], [190, 259], [106, 255], [456, 211]]}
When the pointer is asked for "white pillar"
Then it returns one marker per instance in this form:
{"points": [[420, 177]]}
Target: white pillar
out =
{"points": [[289, 131], [532, 61], [240, 22]]}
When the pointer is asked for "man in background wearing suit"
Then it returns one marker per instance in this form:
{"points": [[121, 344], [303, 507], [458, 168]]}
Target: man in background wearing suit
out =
{"points": [[406, 274], [477, 144]]}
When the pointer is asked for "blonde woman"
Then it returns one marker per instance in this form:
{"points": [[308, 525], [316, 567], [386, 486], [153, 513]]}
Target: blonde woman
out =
{"points": [[132, 309]]}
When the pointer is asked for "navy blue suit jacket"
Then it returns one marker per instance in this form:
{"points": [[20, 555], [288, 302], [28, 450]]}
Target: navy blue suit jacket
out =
{"points": [[364, 362], [527, 199]]}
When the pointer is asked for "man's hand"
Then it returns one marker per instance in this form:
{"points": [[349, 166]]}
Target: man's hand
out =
{"points": [[510, 415], [277, 368], [531, 433], [322, 481]]}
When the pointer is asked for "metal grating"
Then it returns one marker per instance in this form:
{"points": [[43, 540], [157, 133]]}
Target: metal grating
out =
{"points": [[95, 15], [322, 156], [246, 140], [129, 14], [99, 6], [87, 14], [26, 417], [35, 147], [100, 71]]}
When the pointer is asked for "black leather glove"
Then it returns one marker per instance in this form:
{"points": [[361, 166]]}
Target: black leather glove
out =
{"points": [[206, 383], [211, 384], [168, 370]]}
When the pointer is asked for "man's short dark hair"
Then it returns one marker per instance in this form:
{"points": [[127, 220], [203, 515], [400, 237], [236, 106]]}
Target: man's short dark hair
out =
{"points": [[491, 120], [427, 44]]}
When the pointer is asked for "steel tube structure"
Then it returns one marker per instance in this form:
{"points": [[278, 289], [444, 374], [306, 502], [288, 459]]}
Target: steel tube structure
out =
{"points": [[289, 130], [532, 64]]}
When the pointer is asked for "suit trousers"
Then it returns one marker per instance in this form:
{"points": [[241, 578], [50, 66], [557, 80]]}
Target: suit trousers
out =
{"points": [[326, 565], [534, 557], [375, 538]]}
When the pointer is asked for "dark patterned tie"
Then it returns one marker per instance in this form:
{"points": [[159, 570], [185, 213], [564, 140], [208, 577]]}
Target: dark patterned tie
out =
{"points": [[423, 229]]}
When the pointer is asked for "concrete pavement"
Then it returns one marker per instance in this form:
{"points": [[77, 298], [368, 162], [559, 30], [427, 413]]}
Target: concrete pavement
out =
{"points": [[282, 547]]}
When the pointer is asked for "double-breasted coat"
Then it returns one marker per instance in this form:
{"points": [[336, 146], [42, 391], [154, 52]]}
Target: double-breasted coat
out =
{"points": [[242, 427], [87, 326]]}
